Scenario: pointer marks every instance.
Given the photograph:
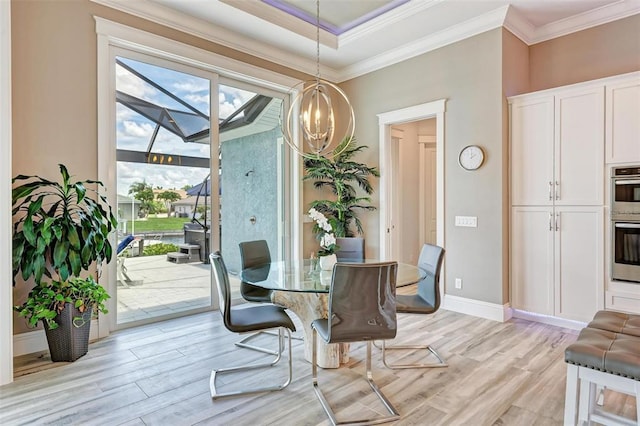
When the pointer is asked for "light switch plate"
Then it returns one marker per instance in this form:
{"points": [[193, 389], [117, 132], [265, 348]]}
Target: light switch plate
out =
{"points": [[467, 221]]}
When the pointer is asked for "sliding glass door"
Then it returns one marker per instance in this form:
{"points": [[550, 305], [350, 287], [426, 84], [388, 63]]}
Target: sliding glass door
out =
{"points": [[187, 187]]}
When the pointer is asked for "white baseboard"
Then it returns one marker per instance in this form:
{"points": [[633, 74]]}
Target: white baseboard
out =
{"points": [[36, 341], [32, 341], [545, 319], [477, 308]]}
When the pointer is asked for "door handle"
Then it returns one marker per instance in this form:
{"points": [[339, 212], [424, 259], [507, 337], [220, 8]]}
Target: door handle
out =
{"points": [[557, 190], [557, 222], [550, 218], [550, 191]]}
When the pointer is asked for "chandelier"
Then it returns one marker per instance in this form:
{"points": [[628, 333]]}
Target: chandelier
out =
{"points": [[315, 107]]}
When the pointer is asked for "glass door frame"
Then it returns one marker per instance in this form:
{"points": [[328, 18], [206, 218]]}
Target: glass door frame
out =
{"points": [[112, 39]]}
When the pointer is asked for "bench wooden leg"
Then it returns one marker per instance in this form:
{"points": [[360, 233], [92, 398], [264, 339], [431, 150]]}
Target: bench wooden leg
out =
{"points": [[571, 396]]}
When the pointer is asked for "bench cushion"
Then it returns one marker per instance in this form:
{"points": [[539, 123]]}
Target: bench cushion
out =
{"points": [[606, 351], [616, 322]]}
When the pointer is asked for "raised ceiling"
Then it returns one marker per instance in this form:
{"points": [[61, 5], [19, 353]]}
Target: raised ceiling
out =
{"points": [[359, 36]]}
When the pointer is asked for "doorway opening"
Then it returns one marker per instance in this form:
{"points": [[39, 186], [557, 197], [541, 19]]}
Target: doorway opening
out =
{"points": [[412, 176]]}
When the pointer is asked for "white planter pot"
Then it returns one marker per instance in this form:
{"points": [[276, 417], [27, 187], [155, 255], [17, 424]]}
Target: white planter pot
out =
{"points": [[327, 262]]}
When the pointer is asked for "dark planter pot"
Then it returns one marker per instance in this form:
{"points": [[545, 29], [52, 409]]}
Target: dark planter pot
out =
{"points": [[70, 340]]}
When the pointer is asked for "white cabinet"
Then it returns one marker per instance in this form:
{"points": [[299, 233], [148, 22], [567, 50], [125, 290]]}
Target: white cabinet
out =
{"points": [[623, 120], [557, 148], [557, 198], [532, 259], [556, 260]]}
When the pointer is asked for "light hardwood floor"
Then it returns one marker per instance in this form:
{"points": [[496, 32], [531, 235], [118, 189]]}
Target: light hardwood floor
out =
{"points": [[509, 373]]}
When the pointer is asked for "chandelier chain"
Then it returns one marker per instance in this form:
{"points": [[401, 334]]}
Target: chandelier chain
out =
{"points": [[317, 41]]}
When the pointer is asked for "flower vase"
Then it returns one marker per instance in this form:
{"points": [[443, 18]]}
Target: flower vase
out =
{"points": [[327, 262]]}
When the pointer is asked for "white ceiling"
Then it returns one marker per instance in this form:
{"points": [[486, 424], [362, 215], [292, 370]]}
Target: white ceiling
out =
{"points": [[408, 29]]}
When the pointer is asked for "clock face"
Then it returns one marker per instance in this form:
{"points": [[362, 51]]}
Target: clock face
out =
{"points": [[471, 157]]}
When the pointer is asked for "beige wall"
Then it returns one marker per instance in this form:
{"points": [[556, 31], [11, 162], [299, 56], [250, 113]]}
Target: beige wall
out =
{"points": [[602, 51], [468, 75]]}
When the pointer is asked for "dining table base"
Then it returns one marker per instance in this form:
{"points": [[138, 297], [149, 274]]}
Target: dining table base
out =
{"points": [[309, 307]]}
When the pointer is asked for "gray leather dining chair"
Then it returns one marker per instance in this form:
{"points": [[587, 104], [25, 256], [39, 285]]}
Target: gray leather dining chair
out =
{"points": [[425, 301], [248, 319], [362, 307], [253, 254], [350, 248]]}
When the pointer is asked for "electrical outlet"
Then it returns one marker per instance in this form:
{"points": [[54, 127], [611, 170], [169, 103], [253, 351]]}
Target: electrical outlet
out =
{"points": [[467, 221], [458, 283]]}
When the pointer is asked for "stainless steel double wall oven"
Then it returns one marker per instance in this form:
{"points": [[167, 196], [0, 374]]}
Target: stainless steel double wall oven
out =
{"points": [[625, 223]]}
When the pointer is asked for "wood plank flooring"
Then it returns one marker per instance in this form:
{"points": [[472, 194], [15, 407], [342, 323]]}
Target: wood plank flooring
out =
{"points": [[509, 373]]}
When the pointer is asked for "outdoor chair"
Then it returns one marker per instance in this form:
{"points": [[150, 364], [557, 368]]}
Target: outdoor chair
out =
{"points": [[362, 307], [248, 319], [125, 244]]}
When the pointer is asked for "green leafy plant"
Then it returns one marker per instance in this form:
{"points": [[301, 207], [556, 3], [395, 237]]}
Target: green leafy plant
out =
{"points": [[60, 231], [47, 300], [340, 174], [162, 248]]}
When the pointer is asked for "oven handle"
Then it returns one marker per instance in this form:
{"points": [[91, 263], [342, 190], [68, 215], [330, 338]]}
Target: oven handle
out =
{"points": [[627, 181], [628, 225]]}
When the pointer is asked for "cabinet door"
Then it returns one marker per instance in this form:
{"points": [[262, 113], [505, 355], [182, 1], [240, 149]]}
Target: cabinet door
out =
{"points": [[623, 122], [532, 151], [532, 259], [579, 149], [579, 262]]}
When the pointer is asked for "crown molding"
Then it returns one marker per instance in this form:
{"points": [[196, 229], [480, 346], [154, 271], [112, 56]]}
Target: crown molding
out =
{"points": [[469, 28], [519, 26], [284, 20], [583, 21], [167, 17], [505, 16], [392, 17]]}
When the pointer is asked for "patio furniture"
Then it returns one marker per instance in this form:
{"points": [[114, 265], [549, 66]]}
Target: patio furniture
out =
{"points": [[362, 308], [248, 319], [123, 278]]}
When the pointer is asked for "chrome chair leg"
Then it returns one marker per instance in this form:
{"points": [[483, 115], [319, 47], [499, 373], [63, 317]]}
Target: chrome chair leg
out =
{"points": [[214, 373], [397, 366], [394, 414], [242, 343]]}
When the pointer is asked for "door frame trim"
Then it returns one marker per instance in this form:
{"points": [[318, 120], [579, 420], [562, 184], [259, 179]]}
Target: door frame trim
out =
{"points": [[435, 109]]}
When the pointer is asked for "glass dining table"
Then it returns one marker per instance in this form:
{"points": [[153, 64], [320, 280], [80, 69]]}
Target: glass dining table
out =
{"points": [[304, 289]]}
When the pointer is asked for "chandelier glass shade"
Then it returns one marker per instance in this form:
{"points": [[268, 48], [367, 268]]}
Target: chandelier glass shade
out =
{"points": [[310, 128]]}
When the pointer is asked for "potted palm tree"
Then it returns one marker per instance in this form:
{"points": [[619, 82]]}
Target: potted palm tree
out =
{"points": [[341, 174], [61, 230]]}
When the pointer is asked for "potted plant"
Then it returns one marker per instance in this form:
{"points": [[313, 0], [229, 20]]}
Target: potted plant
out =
{"points": [[324, 233], [340, 174], [60, 232]]}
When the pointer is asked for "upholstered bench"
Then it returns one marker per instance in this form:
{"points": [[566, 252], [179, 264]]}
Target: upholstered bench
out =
{"points": [[617, 322], [602, 358]]}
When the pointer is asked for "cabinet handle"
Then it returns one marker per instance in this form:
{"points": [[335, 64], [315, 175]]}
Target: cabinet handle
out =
{"points": [[550, 191], [557, 190], [550, 218], [557, 222]]}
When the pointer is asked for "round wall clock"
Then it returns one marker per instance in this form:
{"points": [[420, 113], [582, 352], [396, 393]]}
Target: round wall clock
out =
{"points": [[471, 157]]}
